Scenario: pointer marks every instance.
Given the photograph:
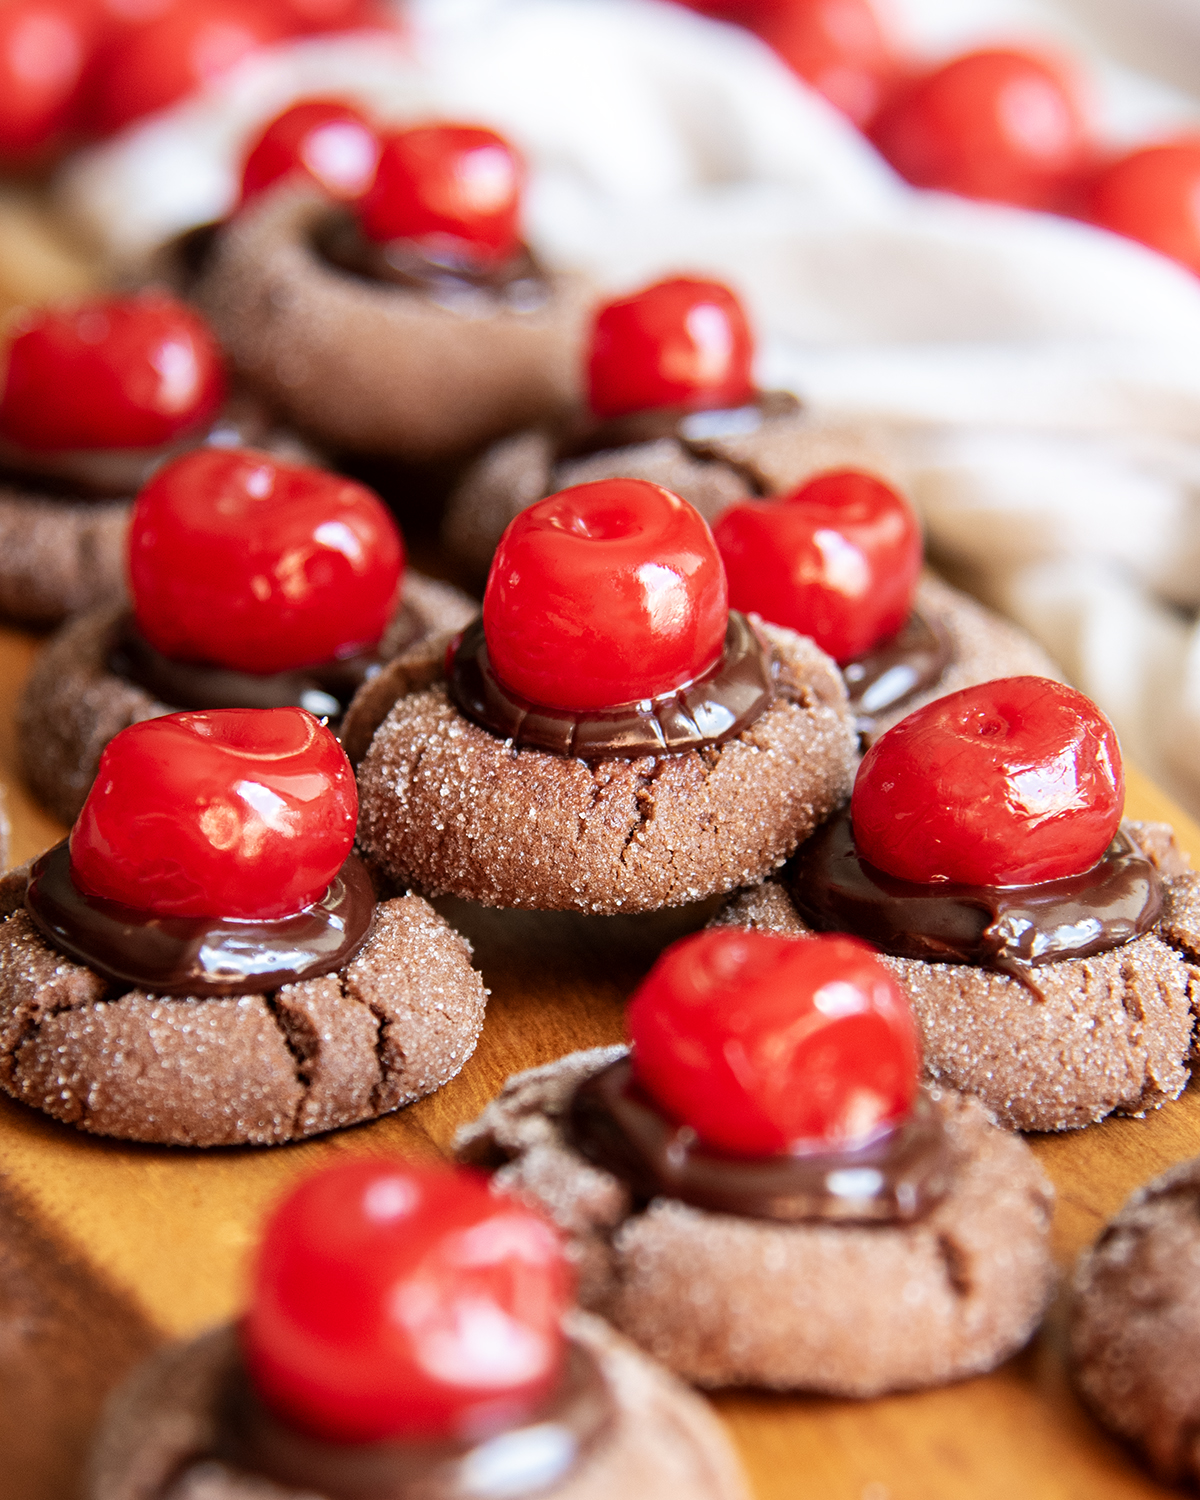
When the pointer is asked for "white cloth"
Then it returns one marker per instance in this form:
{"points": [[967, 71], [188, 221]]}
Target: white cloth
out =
{"points": [[1043, 376]]}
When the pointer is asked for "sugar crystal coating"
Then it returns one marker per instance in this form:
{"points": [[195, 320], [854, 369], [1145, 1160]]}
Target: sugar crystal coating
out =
{"points": [[452, 809], [396, 1023]]}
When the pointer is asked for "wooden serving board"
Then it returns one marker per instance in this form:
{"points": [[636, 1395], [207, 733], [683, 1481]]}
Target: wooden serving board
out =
{"points": [[106, 1249]]}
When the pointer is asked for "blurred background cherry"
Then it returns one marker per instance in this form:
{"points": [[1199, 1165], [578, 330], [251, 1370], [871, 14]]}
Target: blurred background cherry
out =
{"points": [[1151, 195], [45, 47], [336, 15], [837, 46], [70, 69], [1000, 124], [143, 67]]}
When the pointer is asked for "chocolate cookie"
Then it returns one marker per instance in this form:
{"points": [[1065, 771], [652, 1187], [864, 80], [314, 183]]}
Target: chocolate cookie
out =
{"points": [[63, 524], [73, 702], [981, 646], [1110, 1033], [162, 1432], [453, 809], [59, 556], [394, 1024], [710, 470], [377, 368], [852, 1310], [1135, 1324]]}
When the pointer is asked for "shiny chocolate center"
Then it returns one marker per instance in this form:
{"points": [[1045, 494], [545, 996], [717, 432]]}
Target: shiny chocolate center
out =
{"points": [[532, 1454], [1012, 929], [693, 428], [324, 690], [519, 284], [896, 670], [199, 956], [893, 1179], [713, 708], [118, 473]]}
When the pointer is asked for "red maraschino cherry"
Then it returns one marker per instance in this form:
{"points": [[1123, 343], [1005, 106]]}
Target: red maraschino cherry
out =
{"points": [[1000, 125], [837, 46], [239, 813], [1153, 196], [183, 48], [45, 46], [681, 342], [453, 190], [1008, 783], [837, 559], [766, 1044], [392, 1301], [117, 372], [320, 141], [241, 560], [603, 594]]}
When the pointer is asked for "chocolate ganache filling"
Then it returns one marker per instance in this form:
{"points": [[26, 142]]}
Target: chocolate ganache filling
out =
{"points": [[896, 670], [706, 711], [517, 284], [1012, 928], [118, 473], [199, 956], [895, 1178], [530, 1455], [693, 428], [325, 690]]}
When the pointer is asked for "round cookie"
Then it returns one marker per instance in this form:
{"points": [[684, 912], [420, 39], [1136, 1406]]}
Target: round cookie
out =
{"points": [[376, 368], [1111, 1034], [452, 809], [59, 556], [160, 1432], [724, 1300], [710, 472], [396, 1023], [62, 552], [73, 704], [1135, 1323]]}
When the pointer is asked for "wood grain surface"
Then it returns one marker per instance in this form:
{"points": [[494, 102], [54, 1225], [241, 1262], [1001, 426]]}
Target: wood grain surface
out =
{"points": [[107, 1248]]}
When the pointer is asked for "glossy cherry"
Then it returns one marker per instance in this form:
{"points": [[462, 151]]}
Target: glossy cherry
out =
{"points": [[45, 46], [603, 594], [1152, 195], [117, 372], [1001, 125], [396, 1301], [1008, 783], [766, 1044], [147, 67], [681, 342], [837, 559], [238, 812], [320, 141], [454, 190], [241, 560]]}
